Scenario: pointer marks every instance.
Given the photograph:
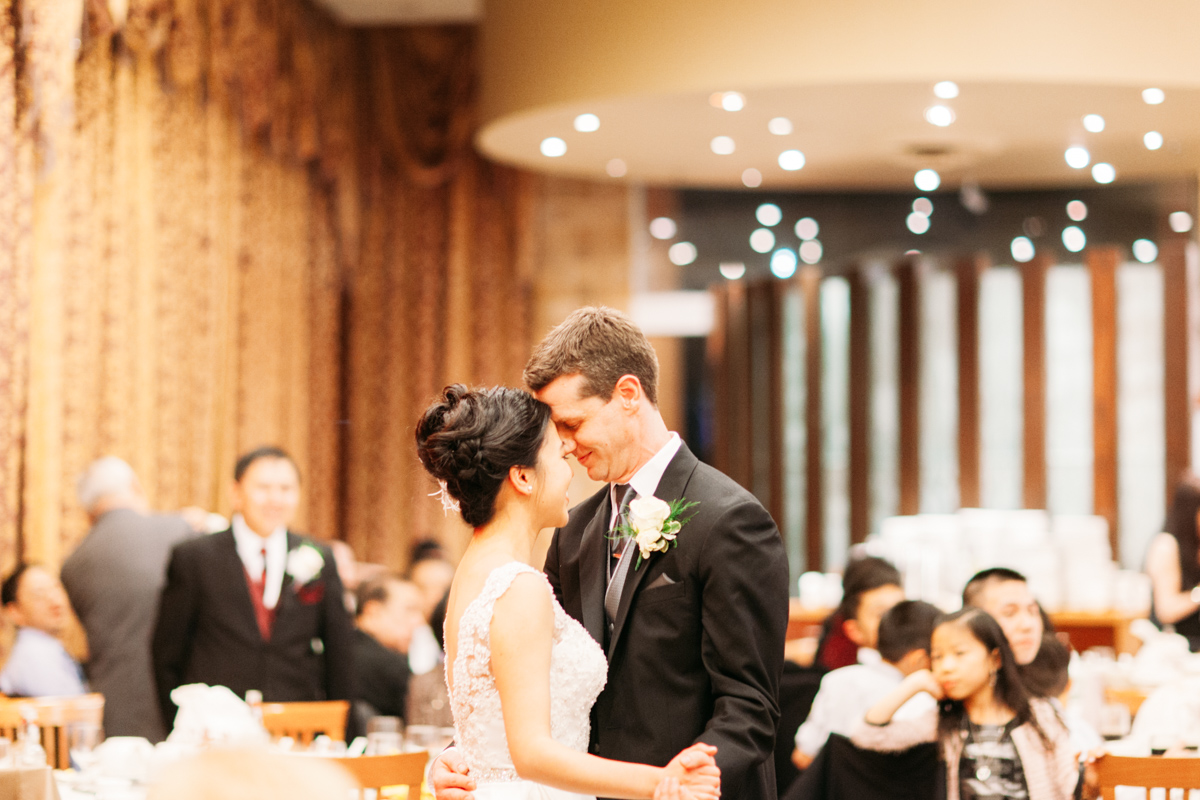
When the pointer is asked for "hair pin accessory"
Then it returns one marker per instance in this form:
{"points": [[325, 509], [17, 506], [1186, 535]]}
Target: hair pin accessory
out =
{"points": [[448, 503]]}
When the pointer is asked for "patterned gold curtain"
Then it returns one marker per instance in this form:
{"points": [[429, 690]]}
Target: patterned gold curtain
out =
{"points": [[232, 222]]}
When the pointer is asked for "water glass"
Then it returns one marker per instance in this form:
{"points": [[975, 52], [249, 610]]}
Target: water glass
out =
{"points": [[383, 736], [421, 737]]}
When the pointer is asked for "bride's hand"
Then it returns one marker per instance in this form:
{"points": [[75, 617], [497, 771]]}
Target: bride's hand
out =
{"points": [[691, 775]]}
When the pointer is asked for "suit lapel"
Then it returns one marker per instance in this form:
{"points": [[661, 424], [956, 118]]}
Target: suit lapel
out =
{"points": [[593, 555], [234, 575], [286, 594], [671, 487]]}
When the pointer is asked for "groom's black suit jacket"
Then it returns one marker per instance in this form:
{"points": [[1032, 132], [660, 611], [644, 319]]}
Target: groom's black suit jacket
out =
{"points": [[696, 650], [207, 631]]}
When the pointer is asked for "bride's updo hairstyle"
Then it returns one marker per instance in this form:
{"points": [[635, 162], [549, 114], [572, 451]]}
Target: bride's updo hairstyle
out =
{"points": [[471, 438]]}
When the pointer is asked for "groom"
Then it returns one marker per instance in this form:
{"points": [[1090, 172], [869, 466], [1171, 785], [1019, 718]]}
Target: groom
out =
{"points": [[694, 635]]}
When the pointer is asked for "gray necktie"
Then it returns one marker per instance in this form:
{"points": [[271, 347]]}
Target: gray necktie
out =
{"points": [[624, 548]]}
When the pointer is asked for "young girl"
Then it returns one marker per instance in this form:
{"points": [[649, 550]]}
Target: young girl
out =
{"points": [[996, 740]]}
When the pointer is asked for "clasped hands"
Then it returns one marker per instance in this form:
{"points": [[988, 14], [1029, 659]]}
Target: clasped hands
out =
{"points": [[691, 775]]}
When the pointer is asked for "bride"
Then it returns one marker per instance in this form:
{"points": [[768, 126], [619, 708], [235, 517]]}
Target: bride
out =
{"points": [[522, 674]]}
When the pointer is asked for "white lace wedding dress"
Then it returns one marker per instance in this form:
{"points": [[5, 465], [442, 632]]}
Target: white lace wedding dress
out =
{"points": [[578, 671]]}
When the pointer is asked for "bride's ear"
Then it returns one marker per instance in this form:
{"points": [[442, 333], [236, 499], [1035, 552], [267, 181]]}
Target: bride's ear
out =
{"points": [[521, 479]]}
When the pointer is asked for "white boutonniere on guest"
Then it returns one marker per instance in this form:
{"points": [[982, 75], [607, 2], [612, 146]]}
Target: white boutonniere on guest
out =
{"points": [[654, 524], [304, 563]]}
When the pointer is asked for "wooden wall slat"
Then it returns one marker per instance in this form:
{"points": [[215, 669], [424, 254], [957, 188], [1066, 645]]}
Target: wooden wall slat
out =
{"points": [[814, 502], [737, 351], [969, 273], [908, 341], [1033, 312], [1172, 257], [1102, 266], [717, 356], [776, 422], [860, 405]]}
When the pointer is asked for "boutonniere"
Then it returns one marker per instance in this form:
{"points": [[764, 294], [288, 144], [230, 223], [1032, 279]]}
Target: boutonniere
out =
{"points": [[304, 563], [654, 524]]}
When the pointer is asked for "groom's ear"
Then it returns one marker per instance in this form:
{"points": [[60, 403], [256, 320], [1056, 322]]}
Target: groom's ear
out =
{"points": [[629, 390]]}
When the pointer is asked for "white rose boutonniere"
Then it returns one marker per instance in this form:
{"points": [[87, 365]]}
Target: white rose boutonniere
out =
{"points": [[304, 563], [654, 524]]}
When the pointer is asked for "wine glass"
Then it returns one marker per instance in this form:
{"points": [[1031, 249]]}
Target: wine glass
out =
{"points": [[82, 740]]}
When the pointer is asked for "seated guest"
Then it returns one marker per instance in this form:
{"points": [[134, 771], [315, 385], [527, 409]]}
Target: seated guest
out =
{"points": [[1004, 593], [39, 665], [870, 586], [389, 610], [431, 572], [114, 579], [847, 693], [256, 606], [1174, 566]]}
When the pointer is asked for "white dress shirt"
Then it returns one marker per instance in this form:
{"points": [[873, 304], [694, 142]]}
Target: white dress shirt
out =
{"points": [[645, 481], [847, 694], [250, 551]]}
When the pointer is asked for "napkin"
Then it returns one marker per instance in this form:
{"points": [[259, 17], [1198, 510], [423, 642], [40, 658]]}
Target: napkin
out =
{"points": [[214, 714]]}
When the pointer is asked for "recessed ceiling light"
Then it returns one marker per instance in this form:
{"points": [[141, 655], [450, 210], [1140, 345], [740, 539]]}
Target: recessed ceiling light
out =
{"points": [[1074, 238], [939, 115], [682, 253], [923, 205], [722, 145], [732, 270], [927, 180], [1077, 210], [1104, 173], [811, 251], [1022, 249], [663, 228], [1077, 157], [586, 123], [807, 228], [1180, 221], [768, 214], [733, 101], [780, 126], [791, 160], [553, 147], [917, 222], [1093, 123], [751, 178], [783, 263], [616, 168], [1153, 96], [1145, 251], [1153, 140], [947, 90], [762, 240]]}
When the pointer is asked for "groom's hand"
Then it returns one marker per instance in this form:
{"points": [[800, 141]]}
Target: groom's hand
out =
{"points": [[449, 777]]}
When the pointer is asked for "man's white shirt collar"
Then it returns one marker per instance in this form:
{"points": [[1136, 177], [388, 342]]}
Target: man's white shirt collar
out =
{"points": [[249, 549], [646, 480]]}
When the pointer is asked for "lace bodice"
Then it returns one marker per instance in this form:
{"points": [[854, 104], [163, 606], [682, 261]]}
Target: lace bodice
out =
{"points": [[578, 671]]}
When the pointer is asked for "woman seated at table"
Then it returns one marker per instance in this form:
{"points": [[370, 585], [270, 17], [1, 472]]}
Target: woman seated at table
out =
{"points": [[1173, 564]]}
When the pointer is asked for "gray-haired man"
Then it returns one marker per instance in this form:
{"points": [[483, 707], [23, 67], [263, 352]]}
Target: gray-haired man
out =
{"points": [[113, 580]]}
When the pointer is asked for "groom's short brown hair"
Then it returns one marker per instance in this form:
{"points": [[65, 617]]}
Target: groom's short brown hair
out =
{"points": [[602, 345]]}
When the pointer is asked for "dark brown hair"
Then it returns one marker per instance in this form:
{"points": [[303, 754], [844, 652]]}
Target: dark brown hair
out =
{"points": [[602, 345], [471, 438]]}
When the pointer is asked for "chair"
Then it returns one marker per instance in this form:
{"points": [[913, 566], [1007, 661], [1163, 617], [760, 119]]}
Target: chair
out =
{"points": [[52, 715], [1130, 698], [1148, 772], [303, 721], [376, 772]]}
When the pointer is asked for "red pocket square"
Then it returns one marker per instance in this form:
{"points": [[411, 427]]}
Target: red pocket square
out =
{"points": [[311, 593]]}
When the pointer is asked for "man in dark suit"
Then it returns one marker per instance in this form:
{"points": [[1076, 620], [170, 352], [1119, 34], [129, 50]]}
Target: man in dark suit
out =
{"points": [[389, 611], [256, 606], [694, 634]]}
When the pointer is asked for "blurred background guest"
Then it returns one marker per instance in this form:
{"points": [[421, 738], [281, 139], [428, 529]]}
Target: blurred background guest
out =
{"points": [[38, 665], [389, 611], [252, 775], [256, 606], [431, 572], [1173, 564], [113, 580], [870, 586], [1004, 594]]}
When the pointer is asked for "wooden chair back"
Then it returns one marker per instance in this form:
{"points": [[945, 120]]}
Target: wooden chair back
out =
{"points": [[1148, 771], [1130, 698], [52, 715], [304, 721], [376, 772]]}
